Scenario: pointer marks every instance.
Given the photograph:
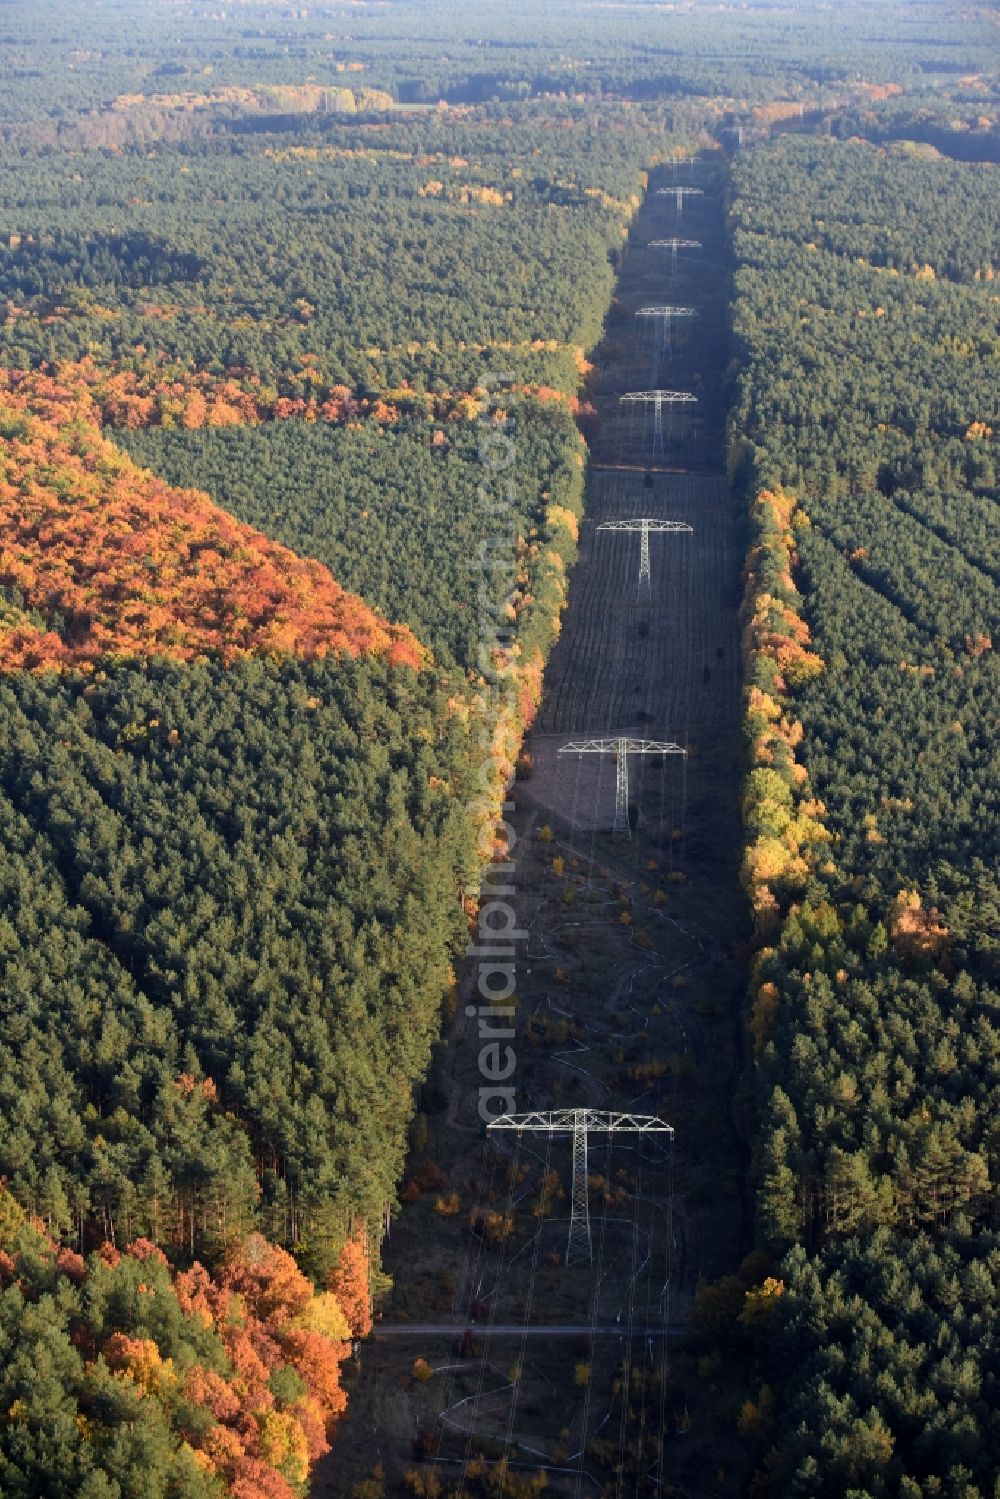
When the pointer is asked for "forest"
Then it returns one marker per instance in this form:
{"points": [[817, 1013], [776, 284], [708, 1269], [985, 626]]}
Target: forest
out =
{"points": [[121, 1377], [869, 271], [249, 379]]}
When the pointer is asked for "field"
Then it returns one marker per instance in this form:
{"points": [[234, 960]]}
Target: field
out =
{"points": [[629, 995]]}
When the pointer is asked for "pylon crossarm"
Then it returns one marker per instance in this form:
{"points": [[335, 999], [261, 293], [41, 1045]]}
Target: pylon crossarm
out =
{"points": [[673, 244], [565, 1121], [666, 312], [674, 527], [658, 397], [620, 746]]}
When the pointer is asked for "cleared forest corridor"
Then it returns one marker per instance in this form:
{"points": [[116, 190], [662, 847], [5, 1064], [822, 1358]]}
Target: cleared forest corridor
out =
{"points": [[629, 989]]}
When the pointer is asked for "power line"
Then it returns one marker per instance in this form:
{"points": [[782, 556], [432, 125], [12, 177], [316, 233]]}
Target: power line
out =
{"points": [[529, 1299], [595, 1307], [630, 1303], [506, 1234]]}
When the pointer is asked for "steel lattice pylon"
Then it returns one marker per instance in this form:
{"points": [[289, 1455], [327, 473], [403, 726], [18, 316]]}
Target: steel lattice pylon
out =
{"points": [[673, 245], [658, 399], [578, 1245], [644, 524], [579, 1123], [621, 747], [679, 193], [662, 316]]}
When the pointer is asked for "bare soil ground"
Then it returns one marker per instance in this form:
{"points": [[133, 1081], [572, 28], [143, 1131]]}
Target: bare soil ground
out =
{"points": [[629, 996]]}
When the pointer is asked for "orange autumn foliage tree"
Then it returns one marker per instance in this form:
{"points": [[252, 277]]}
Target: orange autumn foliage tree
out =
{"points": [[783, 825], [128, 567], [915, 929], [155, 395], [350, 1283], [269, 1319], [249, 1390]]}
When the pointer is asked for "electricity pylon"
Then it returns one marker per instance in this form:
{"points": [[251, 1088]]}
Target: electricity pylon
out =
{"points": [[579, 1123], [679, 193], [673, 245], [644, 524], [658, 399], [662, 316], [621, 747]]}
